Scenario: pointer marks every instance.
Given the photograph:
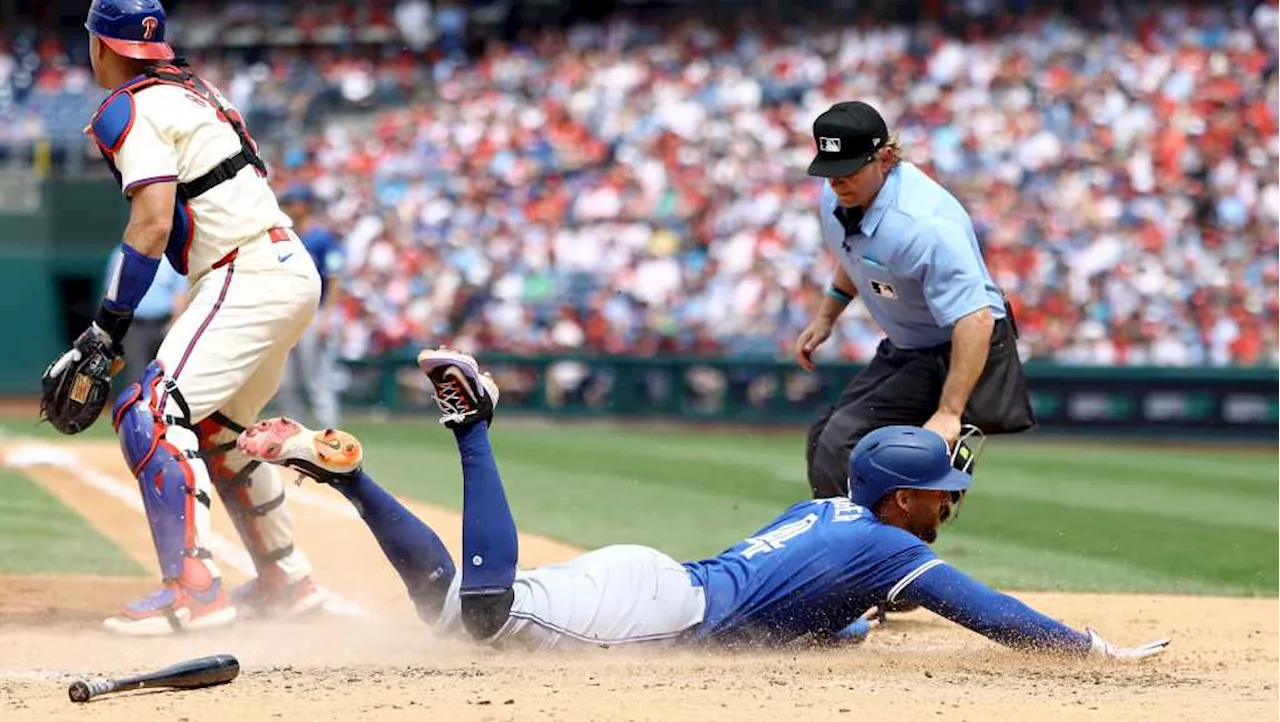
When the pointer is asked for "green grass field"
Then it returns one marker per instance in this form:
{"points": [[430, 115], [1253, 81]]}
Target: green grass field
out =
{"points": [[1044, 514], [38, 534]]}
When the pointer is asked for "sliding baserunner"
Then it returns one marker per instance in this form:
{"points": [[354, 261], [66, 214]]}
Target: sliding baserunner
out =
{"points": [[818, 571]]}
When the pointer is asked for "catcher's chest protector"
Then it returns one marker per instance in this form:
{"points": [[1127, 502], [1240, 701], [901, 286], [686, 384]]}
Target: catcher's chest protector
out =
{"points": [[115, 117]]}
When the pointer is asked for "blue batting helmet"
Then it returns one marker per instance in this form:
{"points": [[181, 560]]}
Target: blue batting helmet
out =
{"points": [[132, 28], [297, 193], [906, 457]]}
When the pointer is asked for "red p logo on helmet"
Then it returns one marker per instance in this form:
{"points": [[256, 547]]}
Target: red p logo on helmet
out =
{"points": [[149, 25]]}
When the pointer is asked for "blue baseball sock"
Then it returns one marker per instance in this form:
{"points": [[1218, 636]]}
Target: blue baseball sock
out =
{"points": [[489, 545], [412, 547]]}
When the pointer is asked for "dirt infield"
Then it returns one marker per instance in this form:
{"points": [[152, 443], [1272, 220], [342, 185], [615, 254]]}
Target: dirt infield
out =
{"points": [[370, 659]]}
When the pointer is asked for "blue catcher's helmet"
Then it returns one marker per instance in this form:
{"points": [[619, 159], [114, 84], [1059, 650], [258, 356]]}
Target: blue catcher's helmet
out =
{"points": [[908, 457], [132, 28]]}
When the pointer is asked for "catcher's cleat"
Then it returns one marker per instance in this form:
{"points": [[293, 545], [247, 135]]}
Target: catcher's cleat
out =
{"points": [[464, 395], [173, 609], [326, 456], [273, 599]]}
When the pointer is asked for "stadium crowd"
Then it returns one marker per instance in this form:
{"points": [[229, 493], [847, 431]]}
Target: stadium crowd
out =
{"points": [[628, 188]]}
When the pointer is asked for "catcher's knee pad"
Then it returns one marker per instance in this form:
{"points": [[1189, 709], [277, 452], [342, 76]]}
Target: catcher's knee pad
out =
{"points": [[160, 448], [254, 496], [483, 615]]}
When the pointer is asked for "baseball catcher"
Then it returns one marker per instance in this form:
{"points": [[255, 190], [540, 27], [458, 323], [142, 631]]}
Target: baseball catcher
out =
{"points": [[198, 194]]}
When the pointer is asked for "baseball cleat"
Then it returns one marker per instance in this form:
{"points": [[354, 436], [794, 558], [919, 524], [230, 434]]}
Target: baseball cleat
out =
{"points": [[323, 455], [269, 599], [464, 395], [173, 609]]}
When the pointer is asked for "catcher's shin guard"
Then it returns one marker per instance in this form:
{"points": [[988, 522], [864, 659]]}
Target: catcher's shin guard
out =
{"points": [[253, 494], [161, 449]]}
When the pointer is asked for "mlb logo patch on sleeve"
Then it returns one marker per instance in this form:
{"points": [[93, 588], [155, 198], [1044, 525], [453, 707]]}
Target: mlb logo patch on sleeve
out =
{"points": [[883, 289]]}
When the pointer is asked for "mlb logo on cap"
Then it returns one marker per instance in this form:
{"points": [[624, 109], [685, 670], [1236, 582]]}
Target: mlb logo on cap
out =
{"points": [[848, 136]]}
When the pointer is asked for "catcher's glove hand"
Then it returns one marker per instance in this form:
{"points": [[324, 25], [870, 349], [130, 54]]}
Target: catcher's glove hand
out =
{"points": [[77, 386]]}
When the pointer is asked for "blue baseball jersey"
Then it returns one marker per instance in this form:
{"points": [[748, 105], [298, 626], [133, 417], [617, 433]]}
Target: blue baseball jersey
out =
{"points": [[325, 251], [814, 569], [914, 259]]}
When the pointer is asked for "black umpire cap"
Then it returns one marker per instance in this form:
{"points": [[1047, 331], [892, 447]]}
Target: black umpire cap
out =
{"points": [[848, 137]]}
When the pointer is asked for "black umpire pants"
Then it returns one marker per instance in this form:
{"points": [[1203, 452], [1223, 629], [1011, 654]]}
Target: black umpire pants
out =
{"points": [[141, 345], [902, 386]]}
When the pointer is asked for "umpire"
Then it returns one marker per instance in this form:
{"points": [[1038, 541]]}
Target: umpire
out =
{"points": [[907, 247]]}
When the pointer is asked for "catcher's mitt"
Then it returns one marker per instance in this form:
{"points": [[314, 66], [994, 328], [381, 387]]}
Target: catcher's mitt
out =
{"points": [[77, 386]]}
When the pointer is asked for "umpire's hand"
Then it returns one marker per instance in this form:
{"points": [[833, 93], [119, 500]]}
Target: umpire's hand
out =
{"points": [[809, 340], [946, 425]]}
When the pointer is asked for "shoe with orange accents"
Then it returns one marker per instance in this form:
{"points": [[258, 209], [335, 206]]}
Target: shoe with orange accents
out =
{"points": [[270, 598], [327, 455], [173, 609]]}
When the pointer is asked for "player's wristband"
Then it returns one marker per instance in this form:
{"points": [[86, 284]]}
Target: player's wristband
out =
{"points": [[837, 294], [130, 279], [114, 322]]}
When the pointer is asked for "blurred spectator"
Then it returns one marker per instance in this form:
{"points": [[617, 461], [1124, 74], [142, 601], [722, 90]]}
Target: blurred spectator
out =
{"points": [[312, 370], [630, 188], [413, 20]]}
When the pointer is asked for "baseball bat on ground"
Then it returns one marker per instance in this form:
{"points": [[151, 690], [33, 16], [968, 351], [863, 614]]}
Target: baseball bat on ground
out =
{"points": [[191, 674]]}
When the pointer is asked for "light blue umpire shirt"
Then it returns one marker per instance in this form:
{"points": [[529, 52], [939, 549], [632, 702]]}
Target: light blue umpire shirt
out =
{"points": [[914, 259]]}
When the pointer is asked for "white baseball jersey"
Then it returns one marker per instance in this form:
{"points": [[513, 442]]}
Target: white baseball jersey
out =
{"points": [[165, 132]]}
